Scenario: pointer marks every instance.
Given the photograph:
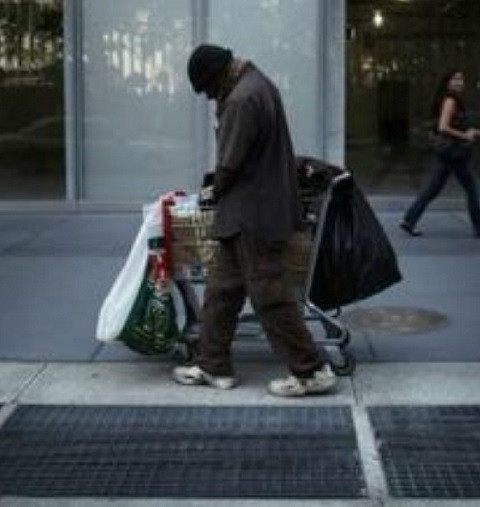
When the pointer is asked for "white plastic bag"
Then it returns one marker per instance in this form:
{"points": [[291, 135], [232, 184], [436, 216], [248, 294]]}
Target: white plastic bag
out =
{"points": [[119, 301]]}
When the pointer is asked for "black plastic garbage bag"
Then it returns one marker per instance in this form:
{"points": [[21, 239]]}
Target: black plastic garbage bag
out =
{"points": [[355, 258]]}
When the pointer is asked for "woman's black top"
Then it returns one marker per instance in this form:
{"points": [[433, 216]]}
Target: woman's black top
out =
{"points": [[459, 120]]}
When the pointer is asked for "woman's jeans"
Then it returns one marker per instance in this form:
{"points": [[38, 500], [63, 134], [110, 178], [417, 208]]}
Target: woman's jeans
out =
{"points": [[442, 170]]}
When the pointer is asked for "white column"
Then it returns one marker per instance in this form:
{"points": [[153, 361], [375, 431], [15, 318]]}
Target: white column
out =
{"points": [[201, 124], [334, 82]]}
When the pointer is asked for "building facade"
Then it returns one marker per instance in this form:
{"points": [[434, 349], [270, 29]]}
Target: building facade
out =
{"points": [[96, 107]]}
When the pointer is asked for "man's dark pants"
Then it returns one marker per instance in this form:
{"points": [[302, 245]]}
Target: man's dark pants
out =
{"points": [[243, 266]]}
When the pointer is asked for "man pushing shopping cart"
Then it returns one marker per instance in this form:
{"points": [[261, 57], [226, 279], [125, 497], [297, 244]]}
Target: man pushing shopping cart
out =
{"points": [[257, 210], [261, 203]]}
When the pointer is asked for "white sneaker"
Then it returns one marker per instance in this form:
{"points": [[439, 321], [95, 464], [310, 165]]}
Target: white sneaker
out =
{"points": [[320, 382], [195, 376]]}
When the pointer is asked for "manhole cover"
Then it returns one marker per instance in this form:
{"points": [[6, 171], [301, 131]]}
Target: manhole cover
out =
{"points": [[394, 319]]}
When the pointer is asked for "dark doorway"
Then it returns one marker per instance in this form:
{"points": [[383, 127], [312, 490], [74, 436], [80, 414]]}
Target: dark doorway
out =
{"points": [[397, 50]]}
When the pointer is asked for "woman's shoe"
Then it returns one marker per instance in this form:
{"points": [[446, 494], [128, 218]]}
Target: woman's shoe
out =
{"points": [[409, 229]]}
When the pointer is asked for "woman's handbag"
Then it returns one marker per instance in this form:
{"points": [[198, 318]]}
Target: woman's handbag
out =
{"points": [[450, 147]]}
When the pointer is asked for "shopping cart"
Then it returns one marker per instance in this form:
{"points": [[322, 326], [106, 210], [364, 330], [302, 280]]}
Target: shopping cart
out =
{"points": [[338, 335], [193, 253]]}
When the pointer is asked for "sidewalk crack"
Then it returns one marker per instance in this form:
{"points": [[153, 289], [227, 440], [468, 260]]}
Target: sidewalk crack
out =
{"points": [[96, 352], [28, 383]]}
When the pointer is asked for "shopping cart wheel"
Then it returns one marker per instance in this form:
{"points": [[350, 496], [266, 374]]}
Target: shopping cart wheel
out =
{"points": [[344, 364]]}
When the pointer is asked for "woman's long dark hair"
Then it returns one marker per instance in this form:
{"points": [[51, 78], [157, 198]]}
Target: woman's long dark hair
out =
{"points": [[442, 92]]}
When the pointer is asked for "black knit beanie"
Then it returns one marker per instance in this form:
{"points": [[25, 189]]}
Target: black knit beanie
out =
{"points": [[206, 62]]}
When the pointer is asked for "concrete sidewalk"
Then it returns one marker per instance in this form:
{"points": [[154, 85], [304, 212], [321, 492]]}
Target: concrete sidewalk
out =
{"points": [[140, 383], [55, 271], [417, 342]]}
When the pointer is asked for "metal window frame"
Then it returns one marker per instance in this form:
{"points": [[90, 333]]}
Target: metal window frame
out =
{"points": [[200, 119], [74, 100], [331, 113]]}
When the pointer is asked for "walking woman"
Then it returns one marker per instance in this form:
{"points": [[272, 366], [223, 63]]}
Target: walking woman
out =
{"points": [[452, 146]]}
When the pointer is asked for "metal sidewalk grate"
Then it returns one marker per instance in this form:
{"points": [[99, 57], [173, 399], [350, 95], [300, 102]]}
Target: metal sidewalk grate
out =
{"points": [[429, 451], [183, 452]]}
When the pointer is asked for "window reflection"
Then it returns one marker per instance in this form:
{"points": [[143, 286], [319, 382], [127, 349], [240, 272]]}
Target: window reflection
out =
{"points": [[393, 67], [135, 56], [31, 100], [135, 53], [282, 37]]}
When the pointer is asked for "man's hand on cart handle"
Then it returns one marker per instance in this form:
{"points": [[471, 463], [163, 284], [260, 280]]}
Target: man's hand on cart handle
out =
{"points": [[206, 195], [309, 170]]}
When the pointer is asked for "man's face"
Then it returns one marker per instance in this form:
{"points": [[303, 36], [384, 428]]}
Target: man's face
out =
{"points": [[211, 89]]}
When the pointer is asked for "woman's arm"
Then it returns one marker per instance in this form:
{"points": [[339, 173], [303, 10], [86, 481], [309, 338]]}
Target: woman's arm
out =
{"points": [[445, 122]]}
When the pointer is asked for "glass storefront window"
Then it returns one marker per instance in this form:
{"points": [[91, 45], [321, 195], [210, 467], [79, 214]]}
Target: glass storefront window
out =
{"points": [[396, 53], [141, 118], [32, 148], [138, 105], [282, 38], [137, 129]]}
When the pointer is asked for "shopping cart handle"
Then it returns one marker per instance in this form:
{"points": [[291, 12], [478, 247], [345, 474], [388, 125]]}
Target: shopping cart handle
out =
{"points": [[341, 177], [341, 183]]}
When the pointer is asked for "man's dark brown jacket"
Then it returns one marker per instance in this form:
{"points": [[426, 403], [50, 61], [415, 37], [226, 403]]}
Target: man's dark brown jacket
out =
{"points": [[255, 182]]}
